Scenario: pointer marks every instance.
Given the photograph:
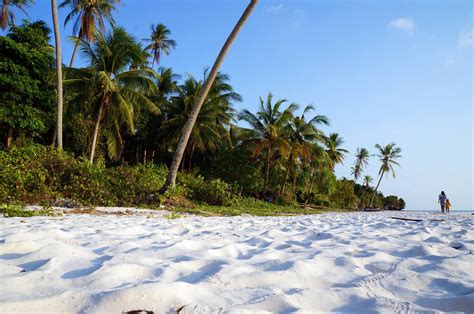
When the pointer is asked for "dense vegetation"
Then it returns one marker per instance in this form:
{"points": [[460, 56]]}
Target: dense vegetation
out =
{"points": [[123, 119]]}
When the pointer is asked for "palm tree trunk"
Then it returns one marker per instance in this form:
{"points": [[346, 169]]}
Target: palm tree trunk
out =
{"points": [[59, 74], [74, 54], [5, 14], [313, 177], [96, 130], [183, 141], [294, 180], [267, 170], [287, 172], [9, 136], [363, 193], [375, 192]]}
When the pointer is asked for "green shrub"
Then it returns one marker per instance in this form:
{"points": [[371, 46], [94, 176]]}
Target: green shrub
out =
{"points": [[18, 211], [286, 199], [137, 184]]}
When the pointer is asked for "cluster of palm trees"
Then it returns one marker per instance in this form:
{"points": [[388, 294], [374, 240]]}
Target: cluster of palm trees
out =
{"points": [[120, 88]]}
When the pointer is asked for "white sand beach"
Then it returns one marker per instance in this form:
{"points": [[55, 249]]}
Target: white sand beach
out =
{"points": [[342, 262]]}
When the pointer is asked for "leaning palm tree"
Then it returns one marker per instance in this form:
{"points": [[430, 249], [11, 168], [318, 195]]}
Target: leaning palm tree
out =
{"points": [[387, 155], [91, 16], [8, 15], [333, 149], [362, 160], [114, 91], [302, 135], [59, 76], [159, 42], [270, 128], [183, 142]]}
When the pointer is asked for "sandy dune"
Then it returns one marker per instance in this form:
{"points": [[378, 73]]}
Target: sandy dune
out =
{"points": [[362, 262]]}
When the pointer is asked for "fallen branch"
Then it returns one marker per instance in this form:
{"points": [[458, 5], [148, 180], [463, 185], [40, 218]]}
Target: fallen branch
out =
{"points": [[407, 219]]}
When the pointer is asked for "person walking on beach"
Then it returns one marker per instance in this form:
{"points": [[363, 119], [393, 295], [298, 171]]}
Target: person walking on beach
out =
{"points": [[448, 205], [442, 201]]}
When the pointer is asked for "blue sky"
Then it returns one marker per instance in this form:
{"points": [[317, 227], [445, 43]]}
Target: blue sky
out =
{"points": [[383, 71]]}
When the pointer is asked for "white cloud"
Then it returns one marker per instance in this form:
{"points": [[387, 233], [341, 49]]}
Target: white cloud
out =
{"points": [[275, 8], [403, 24], [450, 60], [465, 39]]}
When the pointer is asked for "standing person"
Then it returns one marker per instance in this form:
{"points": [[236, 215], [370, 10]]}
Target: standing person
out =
{"points": [[448, 205], [442, 201]]}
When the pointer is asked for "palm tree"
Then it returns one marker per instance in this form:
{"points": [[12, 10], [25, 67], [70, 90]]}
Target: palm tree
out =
{"points": [[113, 90], [213, 121], [91, 16], [173, 172], [387, 155], [367, 181], [159, 43], [319, 160], [302, 135], [269, 126], [7, 13], [362, 160], [335, 152], [59, 75]]}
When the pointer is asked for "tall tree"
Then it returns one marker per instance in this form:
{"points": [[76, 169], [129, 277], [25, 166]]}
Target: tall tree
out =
{"points": [[26, 93], [115, 92], [91, 16], [270, 126], [8, 15], [334, 150], [387, 155], [173, 171], [159, 42], [59, 75], [302, 135]]}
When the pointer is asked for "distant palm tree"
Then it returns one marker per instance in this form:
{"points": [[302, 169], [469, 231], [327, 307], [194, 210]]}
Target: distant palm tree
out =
{"points": [[302, 135], [362, 160], [367, 181], [333, 149], [159, 43], [91, 16], [114, 91], [7, 13], [188, 128], [59, 76], [269, 125], [387, 155]]}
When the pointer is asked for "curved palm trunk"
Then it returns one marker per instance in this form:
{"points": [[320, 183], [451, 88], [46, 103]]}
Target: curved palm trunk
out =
{"points": [[267, 170], [5, 14], [59, 74], [362, 196], [375, 192], [96, 132], [73, 54], [183, 141]]}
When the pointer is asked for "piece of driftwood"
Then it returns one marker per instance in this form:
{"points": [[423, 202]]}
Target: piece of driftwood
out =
{"points": [[417, 220], [407, 219]]}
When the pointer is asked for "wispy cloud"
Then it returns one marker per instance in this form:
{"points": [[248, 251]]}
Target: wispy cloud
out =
{"points": [[275, 8], [450, 60], [403, 24], [465, 39]]}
